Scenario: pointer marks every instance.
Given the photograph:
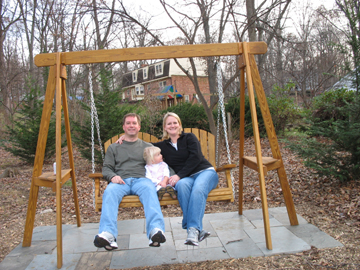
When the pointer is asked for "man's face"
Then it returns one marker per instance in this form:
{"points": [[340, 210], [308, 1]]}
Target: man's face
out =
{"points": [[131, 126]]}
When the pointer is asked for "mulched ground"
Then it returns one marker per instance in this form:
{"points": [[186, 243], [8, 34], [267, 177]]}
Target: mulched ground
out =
{"points": [[331, 206]]}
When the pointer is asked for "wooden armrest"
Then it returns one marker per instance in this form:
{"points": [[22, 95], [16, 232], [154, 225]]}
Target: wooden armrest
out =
{"points": [[226, 167], [95, 175]]}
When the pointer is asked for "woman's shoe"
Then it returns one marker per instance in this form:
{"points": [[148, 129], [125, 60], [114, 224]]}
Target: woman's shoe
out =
{"points": [[172, 192], [161, 193]]}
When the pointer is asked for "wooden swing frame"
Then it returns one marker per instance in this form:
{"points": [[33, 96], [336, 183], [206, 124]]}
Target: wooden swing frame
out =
{"points": [[56, 87]]}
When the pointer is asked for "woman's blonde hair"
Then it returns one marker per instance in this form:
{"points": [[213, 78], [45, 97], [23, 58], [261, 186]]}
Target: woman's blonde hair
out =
{"points": [[165, 133], [150, 152]]}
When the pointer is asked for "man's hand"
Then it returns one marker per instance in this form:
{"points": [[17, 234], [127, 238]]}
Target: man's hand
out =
{"points": [[117, 180]]}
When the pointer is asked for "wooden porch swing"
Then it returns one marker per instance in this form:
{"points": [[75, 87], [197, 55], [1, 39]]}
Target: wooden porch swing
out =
{"points": [[56, 81]]}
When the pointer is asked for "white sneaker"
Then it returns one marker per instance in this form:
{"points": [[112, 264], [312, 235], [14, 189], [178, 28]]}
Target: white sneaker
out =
{"points": [[157, 237], [105, 240], [203, 235], [192, 237]]}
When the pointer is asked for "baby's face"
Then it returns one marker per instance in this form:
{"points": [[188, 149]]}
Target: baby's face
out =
{"points": [[158, 158]]}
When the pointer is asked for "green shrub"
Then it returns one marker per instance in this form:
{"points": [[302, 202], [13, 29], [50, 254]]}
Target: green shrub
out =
{"points": [[191, 115], [329, 107], [24, 131], [282, 107], [332, 148], [110, 114], [233, 106]]}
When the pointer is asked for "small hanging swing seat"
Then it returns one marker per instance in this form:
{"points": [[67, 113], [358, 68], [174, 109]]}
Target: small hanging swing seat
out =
{"points": [[207, 142]]}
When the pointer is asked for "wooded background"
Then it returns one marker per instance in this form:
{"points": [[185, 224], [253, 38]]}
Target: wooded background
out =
{"points": [[308, 46]]}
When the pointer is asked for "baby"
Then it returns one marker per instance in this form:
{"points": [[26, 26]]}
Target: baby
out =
{"points": [[158, 172]]}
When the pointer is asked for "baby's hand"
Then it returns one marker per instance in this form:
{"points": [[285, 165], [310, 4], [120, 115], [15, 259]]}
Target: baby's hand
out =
{"points": [[162, 183]]}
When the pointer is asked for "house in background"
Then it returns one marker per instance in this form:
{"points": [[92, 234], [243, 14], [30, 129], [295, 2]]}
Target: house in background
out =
{"points": [[165, 77]]}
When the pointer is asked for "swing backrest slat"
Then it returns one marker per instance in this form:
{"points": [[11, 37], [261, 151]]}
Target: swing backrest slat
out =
{"points": [[206, 139]]}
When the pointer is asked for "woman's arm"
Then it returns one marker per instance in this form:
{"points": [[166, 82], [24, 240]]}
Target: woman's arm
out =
{"points": [[194, 155]]}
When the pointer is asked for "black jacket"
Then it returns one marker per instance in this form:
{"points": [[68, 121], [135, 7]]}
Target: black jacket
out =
{"points": [[188, 159]]}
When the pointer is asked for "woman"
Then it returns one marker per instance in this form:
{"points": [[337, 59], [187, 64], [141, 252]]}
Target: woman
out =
{"points": [[194, 179]]}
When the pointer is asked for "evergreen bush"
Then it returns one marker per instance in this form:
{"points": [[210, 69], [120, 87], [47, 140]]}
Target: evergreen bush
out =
{"points": [[110, 110], [24, 130], [191, 115], [233, 106], [283, 110], [332, 147]]}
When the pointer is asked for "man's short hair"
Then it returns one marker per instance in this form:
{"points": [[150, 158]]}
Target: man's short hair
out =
{"points": [[132, 115]]}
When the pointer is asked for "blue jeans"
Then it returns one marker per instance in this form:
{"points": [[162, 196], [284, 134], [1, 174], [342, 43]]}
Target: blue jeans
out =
{"points": [[113, 194], [192, 195]]}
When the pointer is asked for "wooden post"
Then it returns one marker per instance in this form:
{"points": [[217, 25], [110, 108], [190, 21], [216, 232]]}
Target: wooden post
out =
{"points": [[242, 132], [58, 161], [39, 157], [270, 130], [69, 145], [257, 147]]}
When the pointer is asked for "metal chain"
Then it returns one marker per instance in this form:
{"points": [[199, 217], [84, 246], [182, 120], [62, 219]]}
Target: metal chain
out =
{"points": [[94, 115], [222, 107]]}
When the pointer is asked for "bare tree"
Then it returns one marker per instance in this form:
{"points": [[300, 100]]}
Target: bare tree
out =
{"points": [[8, 17], [351, 10]]}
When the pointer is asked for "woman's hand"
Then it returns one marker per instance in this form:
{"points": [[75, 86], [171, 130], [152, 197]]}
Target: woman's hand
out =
{"points": [[173, 180], [120, 140]]}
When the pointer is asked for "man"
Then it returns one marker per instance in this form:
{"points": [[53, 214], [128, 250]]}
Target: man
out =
{"points": [[124, 169]]}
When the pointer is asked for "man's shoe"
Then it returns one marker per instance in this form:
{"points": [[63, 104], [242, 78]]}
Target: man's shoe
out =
{"points": [[156, 238], [203, 234], [192, 237], [105, 240], [171, 191], [161, 193]]}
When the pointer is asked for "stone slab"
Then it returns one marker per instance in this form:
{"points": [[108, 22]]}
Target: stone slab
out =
{"points": [[49, 262], [314, 236], [283, 241], [143, 257], [134, 226], [202, 254]]}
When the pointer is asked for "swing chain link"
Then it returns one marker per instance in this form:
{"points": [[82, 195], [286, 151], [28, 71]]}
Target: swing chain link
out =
{"points": [[222, 108], [94, 115]]}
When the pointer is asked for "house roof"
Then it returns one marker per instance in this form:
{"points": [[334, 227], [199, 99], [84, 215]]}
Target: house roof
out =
{"points": [[127, 79], [346, 82]]}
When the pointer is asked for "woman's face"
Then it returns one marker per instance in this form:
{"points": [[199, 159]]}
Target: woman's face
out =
{"points": [[172, 126]]}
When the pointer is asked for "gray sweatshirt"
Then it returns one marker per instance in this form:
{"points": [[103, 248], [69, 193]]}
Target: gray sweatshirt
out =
{"points": [[125, 160]]}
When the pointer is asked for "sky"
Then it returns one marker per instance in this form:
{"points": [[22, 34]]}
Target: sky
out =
{"points": [[160, 20]]}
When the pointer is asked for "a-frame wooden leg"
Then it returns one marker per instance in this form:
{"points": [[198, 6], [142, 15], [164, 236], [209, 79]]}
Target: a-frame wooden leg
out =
{"points": [[257, 148], [270, 130], [242, 133], [69, 144], [58, 93], [39, 157]]}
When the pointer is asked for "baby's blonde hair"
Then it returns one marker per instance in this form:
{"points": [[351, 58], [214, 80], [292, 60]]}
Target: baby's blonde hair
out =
{"points": [[150, 152]]}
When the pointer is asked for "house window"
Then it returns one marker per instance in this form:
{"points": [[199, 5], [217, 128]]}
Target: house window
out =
{"points": [[162, 84], [145, 73], [186, 97], [139, 90], [159, 69], [134, 76]]}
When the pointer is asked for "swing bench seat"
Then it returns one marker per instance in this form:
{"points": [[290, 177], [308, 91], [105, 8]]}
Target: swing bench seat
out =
{"points": [[207, 142]]}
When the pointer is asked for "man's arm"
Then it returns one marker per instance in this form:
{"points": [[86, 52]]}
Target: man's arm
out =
{"points": [[108, 169]]}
